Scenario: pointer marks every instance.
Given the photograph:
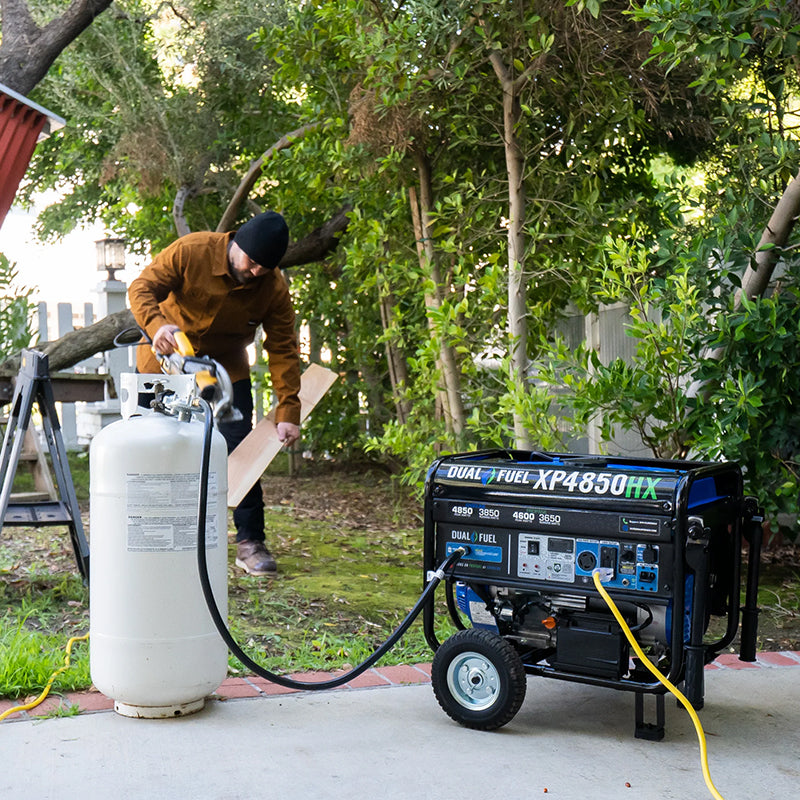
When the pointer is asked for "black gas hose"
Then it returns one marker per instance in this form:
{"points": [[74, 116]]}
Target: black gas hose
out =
{"points": [[219, 622]]}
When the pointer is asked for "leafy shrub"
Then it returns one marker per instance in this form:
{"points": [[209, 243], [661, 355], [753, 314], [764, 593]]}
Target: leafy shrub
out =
{"points": [[15, 311]]}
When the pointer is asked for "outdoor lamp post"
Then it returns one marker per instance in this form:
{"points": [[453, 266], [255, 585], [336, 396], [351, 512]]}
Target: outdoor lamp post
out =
{"points": [[111, 297], [110, 256]]}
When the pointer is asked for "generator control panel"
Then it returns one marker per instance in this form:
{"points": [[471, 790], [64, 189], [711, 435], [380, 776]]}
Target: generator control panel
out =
{"points": [[557, 546], [549, 523]]}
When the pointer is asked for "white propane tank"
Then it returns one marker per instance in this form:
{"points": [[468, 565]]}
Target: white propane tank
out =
{"points": [[153, 646]]}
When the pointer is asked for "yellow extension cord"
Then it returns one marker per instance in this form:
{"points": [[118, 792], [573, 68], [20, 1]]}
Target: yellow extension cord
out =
{"points": [[41, 697], [663, 680]]}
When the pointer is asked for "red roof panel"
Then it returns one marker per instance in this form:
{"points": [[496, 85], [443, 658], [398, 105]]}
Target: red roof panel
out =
{"points": [[21, 124]]}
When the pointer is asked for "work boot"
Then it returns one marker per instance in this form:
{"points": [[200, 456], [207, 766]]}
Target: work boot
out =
{"points": [[254, 558]]}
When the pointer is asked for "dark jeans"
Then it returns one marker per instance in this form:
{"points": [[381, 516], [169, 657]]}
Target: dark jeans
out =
{"points": [[248, 516]]}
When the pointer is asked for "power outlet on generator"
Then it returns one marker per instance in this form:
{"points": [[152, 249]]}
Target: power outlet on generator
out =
{"points": [[608, 558]]}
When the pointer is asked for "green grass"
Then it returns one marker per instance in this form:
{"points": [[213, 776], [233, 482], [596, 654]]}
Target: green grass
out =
{"points": [[340, 594], [43, 609], [30, 657]]}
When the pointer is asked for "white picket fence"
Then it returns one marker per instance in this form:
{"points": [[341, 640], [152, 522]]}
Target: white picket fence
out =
{"points": [[81, 421]]}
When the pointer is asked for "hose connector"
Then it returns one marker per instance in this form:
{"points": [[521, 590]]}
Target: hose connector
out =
{"points": [[453, 558]]}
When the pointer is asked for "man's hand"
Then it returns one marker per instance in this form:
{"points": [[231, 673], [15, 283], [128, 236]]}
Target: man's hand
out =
{"points": [[288, 433], [164, 341]]}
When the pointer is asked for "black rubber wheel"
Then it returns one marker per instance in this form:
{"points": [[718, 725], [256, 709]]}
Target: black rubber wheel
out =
{"points": [[478, 679]]}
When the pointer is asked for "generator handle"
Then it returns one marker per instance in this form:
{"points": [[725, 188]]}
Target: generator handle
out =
{"points": [[697, 557], [753, 532], [428, 555]]}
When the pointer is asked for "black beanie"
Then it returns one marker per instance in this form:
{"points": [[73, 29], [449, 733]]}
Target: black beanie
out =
{"points": [[264, 238]]}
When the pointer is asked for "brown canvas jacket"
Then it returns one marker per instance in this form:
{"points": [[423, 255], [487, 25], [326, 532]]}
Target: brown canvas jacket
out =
{"points": [[188, 285]]}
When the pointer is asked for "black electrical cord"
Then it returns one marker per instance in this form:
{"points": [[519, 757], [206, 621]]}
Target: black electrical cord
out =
{"points": [[211, 602], [642, 625], [132, 336]]}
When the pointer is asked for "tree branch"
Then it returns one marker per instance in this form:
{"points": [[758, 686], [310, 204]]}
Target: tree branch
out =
{"points": [[77, 345], [777, 232], [317, 244], [500, 69], [178, 205], [253, 174], [27, 51]]}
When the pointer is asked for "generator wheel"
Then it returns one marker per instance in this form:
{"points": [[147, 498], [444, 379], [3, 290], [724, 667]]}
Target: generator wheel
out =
{"points": [[478, 679]]}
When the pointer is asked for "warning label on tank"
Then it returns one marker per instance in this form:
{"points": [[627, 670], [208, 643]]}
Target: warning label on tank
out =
{"points": [[162, 512]]}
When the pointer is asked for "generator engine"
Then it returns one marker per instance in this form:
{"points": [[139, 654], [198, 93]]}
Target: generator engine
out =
{"points": [[667, 536]]}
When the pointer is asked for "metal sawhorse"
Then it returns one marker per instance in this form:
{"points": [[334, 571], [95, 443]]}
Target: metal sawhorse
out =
{"points": [[33, 386]]}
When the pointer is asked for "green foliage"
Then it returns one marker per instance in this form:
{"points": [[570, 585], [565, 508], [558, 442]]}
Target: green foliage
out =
{"points": [[16, 309], [415, 444], [655, 140], [156, 101], [752, 413], [707, 381], [647, 395], [730, 40], [429, 94]]}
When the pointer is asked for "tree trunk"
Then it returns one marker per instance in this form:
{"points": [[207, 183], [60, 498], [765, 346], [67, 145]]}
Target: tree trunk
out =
{"points": [[517, 325], [83, 343], [27, 51], [398, 370], [420, 213], [779, 227]]}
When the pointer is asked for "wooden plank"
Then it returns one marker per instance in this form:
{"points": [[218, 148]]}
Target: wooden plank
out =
{"points": [[42, 479], [253, 455], [32, 456]]}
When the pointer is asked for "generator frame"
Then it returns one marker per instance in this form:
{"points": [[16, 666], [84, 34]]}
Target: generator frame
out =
{"points": [[709, 550]]}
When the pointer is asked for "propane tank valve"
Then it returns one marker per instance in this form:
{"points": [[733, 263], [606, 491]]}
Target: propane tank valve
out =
{"points": [[179, 407]]}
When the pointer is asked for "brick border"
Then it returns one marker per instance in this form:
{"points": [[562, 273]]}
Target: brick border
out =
{"points": [[231, 688], [376, 678]]}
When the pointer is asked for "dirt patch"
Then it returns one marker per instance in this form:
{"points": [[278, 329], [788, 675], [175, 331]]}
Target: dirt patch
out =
{"points": [[365, 499], [779, 599]]}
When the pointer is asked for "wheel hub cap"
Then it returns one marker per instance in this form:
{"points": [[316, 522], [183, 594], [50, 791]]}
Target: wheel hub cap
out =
{"points": [[473, 681]]}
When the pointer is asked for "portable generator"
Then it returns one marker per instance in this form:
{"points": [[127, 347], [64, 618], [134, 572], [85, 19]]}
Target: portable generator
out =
{"points": [[667, 536]]}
